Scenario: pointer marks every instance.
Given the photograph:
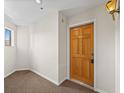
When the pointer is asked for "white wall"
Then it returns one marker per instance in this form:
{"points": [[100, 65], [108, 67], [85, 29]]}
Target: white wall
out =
{"points": [[41, 47], [44, 47], [23, 44], [105, 46], [9, 51], [16, 57], [62, 47], [117, 53], [48, 47]]}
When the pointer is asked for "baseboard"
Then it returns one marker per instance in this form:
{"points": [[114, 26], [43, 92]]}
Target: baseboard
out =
{"points": [[21, 69], [15, 71], [62, 81], [45, 77], [100, 91], [9, 73], [56, 83], [90, 87], [83, 84]]}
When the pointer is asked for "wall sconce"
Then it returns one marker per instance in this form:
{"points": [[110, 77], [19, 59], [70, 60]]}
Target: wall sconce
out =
{"points": [[111, 7]]}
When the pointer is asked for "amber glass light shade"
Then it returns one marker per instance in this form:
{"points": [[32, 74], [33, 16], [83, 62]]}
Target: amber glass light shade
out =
{"points": [[111, 6]]}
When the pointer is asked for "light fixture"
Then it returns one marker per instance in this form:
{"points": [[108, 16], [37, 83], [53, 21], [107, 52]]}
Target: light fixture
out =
{"points": [[111, 7], [38, 1]]}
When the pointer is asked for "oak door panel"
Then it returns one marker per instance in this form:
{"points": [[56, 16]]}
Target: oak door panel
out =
{"points": [[81, 51]]}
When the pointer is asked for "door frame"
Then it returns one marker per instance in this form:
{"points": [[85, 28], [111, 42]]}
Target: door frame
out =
{"points": [[68, 49]]}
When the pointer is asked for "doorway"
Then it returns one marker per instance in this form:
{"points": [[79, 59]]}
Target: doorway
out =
{"points": [[82, 53]]}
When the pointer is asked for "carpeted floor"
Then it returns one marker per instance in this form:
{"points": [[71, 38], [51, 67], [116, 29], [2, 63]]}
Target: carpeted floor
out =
{"points": [[29, 82]]}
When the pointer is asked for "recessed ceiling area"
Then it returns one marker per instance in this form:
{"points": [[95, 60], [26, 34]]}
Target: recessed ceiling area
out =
{"points": [[27, 11]]}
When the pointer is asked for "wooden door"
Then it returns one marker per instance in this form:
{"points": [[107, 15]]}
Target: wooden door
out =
{"points": [[81, 53]]}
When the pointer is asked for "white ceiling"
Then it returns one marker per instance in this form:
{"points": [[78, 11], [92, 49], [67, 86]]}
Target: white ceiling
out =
{"points": [[27, 11]]}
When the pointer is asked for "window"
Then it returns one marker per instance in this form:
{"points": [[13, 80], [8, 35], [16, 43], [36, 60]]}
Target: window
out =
{"points": [[8, 37]]}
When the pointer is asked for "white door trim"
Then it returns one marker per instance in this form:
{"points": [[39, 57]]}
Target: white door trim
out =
{"points": [[68, 47]]}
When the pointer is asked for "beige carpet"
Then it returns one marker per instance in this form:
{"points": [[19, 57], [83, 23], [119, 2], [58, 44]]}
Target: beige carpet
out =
{"points": [[29, 82]]}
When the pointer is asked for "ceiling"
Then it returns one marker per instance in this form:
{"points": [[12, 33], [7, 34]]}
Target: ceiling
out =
{"points": [[27, 11]]}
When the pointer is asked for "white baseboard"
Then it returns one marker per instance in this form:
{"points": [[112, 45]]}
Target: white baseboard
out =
{"points": [[15, 71], [90, 87], [83, 84], [100, 91], [9, 73], [49, 79], [56, 83], [62, 81], [21, 69]]}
